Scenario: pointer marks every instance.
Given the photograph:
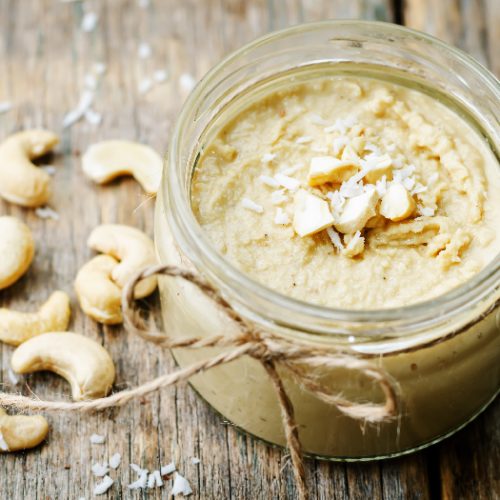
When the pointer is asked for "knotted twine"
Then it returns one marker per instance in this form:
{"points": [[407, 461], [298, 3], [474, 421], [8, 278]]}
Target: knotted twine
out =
{"points": [[267, 348]]}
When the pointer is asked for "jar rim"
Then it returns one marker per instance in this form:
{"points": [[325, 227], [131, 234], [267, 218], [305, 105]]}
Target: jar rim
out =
{"points": [[192, 239]]}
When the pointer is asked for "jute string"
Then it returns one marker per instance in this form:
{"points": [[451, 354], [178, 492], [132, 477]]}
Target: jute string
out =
{"points": [[269, 349]]}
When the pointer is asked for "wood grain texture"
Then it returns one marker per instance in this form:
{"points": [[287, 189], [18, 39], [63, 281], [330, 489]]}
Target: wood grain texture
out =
{"points": [[44, 57]]}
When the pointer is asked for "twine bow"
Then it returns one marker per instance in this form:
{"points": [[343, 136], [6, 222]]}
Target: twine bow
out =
{"points": [[267, 348]]}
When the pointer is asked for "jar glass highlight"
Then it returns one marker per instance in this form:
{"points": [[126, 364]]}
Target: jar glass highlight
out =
{"points": [[443, 353]]}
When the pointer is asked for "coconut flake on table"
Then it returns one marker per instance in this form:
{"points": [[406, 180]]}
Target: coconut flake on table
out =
{"points": [[287, 182], [46, 213], [103, 486], [99, 469], [281, 217], [252, 206], [165, 470], [5, 106], [115, 461], [93, 117], [90, 81], [144, 51], [99, 68], [195, 460], [155, 480], [335, 238], [187, 82], [86, 100], [278, 197], [97, 439], [181, 486], [145, 85], [268, 181], [3, 444], [140, 483], [89, 22], [305, 139], [137, 469], [160, 75]]}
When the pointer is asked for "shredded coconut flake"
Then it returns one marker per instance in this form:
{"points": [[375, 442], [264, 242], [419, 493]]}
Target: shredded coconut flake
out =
{"points": [[144, 51], [195, 460], [268, 157], [103, 486], [97, 439], [419, 188], [281, 217], [99, 68], [291, 170], [339, 143], [151, 481], [426, 211], [340, 125], [137, 469], [5, 106], [251, 205], [99, 469], [89, 22], [46, 213], [76, 114], [318, 120], [269, 181], [287, 182], [433, 178], [409, 183], [350, 189], [115, 461], [181, 486], [160, 75], [145, 85], [337, 200], [165, 470], [319, 149], [278, 197], [3, 444], [381, 186], [305, 139], [90, 81], [187, 82], [155, 480], [335, 238]]}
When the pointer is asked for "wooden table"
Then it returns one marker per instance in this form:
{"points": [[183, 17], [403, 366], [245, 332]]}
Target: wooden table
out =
{"points": [[44, 57]]}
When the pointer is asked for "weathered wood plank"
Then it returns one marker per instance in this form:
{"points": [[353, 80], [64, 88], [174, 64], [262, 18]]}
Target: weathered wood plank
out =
{"points": [[44, 57]]}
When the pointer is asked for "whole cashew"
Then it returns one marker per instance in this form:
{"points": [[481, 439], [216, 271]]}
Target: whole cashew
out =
{"points": [[99, 295], [132, 248], [21, 182], [17, 249], [53, 316], [83, 362], [19, 432], [104, 161]]}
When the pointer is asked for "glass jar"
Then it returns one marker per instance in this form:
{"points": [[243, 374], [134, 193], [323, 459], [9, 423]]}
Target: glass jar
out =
{"points": [[443, 353]]}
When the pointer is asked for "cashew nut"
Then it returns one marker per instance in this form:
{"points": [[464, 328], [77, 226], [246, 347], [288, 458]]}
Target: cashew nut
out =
{"points": [[104, 161], [99, 295], [53, 316], [19, 432], [21, 182], [16, 250], [83, 362], [132, 248]]}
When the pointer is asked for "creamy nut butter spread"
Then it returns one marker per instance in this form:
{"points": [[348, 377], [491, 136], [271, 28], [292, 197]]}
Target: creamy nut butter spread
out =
{"points": [[350, 193]]}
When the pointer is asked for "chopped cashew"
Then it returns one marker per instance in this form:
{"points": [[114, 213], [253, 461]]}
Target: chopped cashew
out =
{"points": [[356, 212], [83, 362], [311, 214], [355, 245], [106, 160], [377, 172], [99, 295], [397, 203], [330, 169], [53, 316], [16, 250], [21, 181], [132, 248], [20, 432]]}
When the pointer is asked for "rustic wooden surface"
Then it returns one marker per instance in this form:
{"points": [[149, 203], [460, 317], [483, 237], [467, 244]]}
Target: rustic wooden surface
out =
{"points": [[44, 56]]}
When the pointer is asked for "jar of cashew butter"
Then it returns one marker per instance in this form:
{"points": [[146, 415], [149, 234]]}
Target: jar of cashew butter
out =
{"points": [[338, 183]]}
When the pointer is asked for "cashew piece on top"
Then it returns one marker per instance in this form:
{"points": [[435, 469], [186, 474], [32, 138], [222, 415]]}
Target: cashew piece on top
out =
{"points": [[19, 432], [132, 248], [83, 362], [17, 249], [53, 316], [98, 294], [106, 160], [21, 181]]}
